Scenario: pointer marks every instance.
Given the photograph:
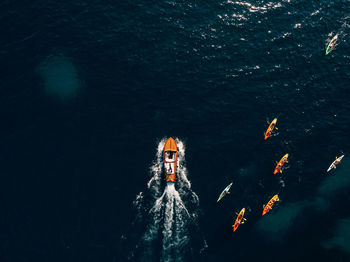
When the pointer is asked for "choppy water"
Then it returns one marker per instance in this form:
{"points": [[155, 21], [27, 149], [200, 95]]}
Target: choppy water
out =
{"points": [[90, 89]]}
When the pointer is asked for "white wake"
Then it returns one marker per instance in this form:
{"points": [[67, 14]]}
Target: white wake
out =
{"points": [[168, 220]]}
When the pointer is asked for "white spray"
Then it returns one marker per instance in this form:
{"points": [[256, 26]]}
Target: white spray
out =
{"points": [[167, 218]]}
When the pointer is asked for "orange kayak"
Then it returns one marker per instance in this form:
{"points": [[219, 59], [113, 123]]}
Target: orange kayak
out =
{"points": [[280, 164], [269, 204], [170, 159], [270, 128], [239, 220]]}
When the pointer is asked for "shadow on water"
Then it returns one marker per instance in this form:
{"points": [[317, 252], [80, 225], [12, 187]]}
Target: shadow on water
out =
{"points": [[60, 77]]}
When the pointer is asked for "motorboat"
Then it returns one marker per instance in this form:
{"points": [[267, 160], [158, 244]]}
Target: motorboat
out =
{"points": [[170, 155]]}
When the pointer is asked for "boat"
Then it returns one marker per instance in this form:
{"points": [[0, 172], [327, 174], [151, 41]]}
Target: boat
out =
{"points": [[170, 155], [239, 220], [224, 192], [270, 128], [269, 204], [335, 163], [279, 165], [331, 44]]}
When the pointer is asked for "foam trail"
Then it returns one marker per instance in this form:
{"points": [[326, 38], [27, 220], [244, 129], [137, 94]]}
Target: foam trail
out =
{"points": [[138, 203], [154, 184], [174, 231], [183, 184], [170, 211]]}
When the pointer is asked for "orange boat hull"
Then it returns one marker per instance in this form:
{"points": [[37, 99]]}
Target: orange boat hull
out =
{"points": [[238, 219], [269, 204], [170, 155], [270, 128], [280, 164]]}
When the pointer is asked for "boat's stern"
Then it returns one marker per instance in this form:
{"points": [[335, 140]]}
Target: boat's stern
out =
{"points": [[170, 183]]}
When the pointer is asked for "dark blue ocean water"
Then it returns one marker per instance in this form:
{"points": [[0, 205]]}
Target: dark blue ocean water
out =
{"points": [[90, 90]]}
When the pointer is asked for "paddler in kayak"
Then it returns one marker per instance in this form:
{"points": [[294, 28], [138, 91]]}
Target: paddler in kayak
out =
{"points": [[239, 220], [269, 204], [270, 128], [332, 44], [335, 163], [280, 164], [224, 192]]}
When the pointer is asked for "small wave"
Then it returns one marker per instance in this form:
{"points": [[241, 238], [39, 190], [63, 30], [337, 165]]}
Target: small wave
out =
{"points": [[254, 8]]}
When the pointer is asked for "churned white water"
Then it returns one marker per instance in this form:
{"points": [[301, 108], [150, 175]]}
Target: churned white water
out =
{"points": [[167, 218]]}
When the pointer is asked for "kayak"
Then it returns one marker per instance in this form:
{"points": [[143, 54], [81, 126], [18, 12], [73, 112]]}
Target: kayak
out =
{"points": [[279, 165], [331, 45], [335, 163], [170, 160], [239, 220], [269, 204], [270, 128], [224, 192]]}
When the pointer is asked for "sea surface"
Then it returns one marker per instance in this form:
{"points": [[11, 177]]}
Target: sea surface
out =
{"points": [[91, 90]]}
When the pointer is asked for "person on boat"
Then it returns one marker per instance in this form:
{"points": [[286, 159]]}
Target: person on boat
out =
{"points": [[332, 45], [170, 169]]}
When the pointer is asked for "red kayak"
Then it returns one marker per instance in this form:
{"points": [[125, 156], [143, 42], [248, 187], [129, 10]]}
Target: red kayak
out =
{"points": [[239, 220], [270, 204], [270, 128], [280, 164]]}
